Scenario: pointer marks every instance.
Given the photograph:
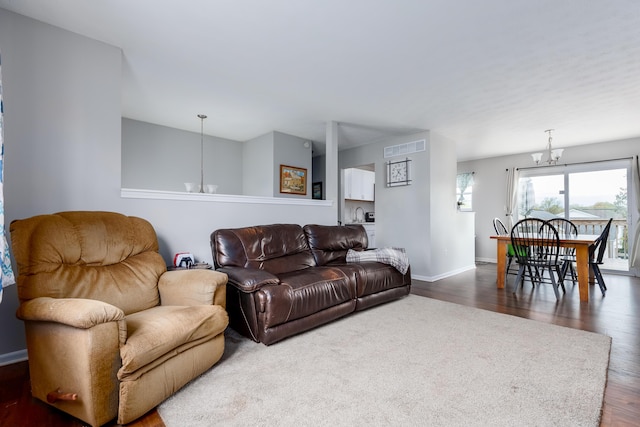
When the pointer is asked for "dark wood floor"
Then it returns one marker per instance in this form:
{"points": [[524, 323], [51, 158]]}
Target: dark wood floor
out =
{"points": [[616, 315], [19, 409]]}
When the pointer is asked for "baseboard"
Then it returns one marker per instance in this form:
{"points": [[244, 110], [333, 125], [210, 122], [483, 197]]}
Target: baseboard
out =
{"points": [[489, 260], [443, 275], [14, 357]]}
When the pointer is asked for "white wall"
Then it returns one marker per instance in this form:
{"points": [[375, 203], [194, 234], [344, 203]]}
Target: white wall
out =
{"points": [[451, 231], [158, 157], [489, 189], [420, 217], [63, 150]]}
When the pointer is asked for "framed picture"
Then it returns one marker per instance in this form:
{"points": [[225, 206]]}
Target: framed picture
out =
{"points": [[293, 180], [316, 192]]}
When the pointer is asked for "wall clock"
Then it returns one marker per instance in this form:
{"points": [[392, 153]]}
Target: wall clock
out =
{"points": [[399, 172]]}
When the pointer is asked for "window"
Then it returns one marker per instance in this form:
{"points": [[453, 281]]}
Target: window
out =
{"points": [[464, 191]]}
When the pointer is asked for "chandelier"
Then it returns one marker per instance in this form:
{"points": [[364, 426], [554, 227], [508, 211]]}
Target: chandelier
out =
{"points": [[553, 155]]}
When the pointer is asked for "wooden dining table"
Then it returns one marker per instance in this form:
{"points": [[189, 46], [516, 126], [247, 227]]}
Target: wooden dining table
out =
{"points": [[581, 243]]}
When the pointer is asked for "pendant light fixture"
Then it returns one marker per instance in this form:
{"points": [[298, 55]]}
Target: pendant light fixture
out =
{"points": [[554, 155]]}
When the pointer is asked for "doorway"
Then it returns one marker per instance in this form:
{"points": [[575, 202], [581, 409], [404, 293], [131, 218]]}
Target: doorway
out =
{"points": [[587, 195]]}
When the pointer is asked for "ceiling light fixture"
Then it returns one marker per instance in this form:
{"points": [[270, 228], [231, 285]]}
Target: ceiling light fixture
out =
{"points": [[554, 155], [202, 117]]}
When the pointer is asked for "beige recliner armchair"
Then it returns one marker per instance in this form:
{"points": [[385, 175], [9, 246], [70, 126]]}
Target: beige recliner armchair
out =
{"points": [[109, 331]]}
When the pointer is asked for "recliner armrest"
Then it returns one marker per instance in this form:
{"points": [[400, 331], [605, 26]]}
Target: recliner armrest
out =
{"points": [[249, 279], [77, 312], [192, 287]]}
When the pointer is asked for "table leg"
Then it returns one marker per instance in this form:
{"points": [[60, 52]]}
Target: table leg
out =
{"points": [[502, 261], [582, 264]]}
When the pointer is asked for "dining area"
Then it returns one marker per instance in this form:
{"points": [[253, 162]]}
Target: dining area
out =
{"points": [[551, 252]]}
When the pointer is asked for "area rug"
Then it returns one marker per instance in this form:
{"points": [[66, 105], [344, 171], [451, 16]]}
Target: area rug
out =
{"points": [[414, 361]]}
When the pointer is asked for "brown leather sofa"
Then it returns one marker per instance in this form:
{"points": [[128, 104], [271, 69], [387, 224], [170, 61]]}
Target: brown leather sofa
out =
{"points": [[285, 279]]}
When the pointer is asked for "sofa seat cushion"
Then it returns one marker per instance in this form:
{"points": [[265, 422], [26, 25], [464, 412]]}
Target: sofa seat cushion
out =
{"points": [[160, 332], [372, 277], [303, 293]]}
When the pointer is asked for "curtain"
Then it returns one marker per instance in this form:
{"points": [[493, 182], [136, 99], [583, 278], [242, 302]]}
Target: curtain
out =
{"points": [[463, 181], [635, 251], [511, 203], [6, 273]]}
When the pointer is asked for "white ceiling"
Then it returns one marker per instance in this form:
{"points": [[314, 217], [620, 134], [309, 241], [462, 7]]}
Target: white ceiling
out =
{"points": [[491, 75]]}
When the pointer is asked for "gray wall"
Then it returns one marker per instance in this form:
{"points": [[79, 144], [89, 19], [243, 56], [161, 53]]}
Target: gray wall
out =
{"points": [[258, 164], [262, 157], [489, 190], [157, 157], [63, 150], [62, 130], [318, 175], [290, 150]]}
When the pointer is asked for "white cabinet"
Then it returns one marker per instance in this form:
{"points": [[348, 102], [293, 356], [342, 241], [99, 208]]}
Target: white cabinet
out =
{"points": [[371, 234], [359, 184]]}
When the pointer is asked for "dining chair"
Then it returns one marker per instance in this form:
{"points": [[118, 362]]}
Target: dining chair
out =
{"points": [[567, 256], [598, 249], [501, 230], [537, 248]]}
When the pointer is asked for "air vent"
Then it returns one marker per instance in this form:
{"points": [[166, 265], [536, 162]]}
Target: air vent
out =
{"points": [[404, 149]]}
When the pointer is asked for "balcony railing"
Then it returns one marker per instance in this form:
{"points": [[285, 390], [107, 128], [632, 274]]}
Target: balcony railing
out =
{"points": [[617, 254]]}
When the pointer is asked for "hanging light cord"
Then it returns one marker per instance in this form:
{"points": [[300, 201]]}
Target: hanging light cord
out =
{"points": [[202, 117], [550, 160]]}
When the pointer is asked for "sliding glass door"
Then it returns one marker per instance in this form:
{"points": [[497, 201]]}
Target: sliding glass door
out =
{"points": [[541, 196], [586, 194]]}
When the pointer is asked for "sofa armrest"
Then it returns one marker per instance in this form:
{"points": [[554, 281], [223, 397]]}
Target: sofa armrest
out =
{"points": [[76, 312], [193, 287], [249, 279]]}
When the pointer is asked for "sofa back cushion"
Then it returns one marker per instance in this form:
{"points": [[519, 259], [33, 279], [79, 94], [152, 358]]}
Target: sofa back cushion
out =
{"points": [[277, 248], [103, 256], [330, 243]]}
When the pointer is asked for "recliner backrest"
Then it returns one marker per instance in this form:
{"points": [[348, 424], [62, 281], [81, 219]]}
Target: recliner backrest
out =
{"points": [[330, 243], [276, 248], [104, 256]]}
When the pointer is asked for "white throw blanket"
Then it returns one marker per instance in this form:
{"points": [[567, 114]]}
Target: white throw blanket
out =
{"points": [[395, 257]]}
